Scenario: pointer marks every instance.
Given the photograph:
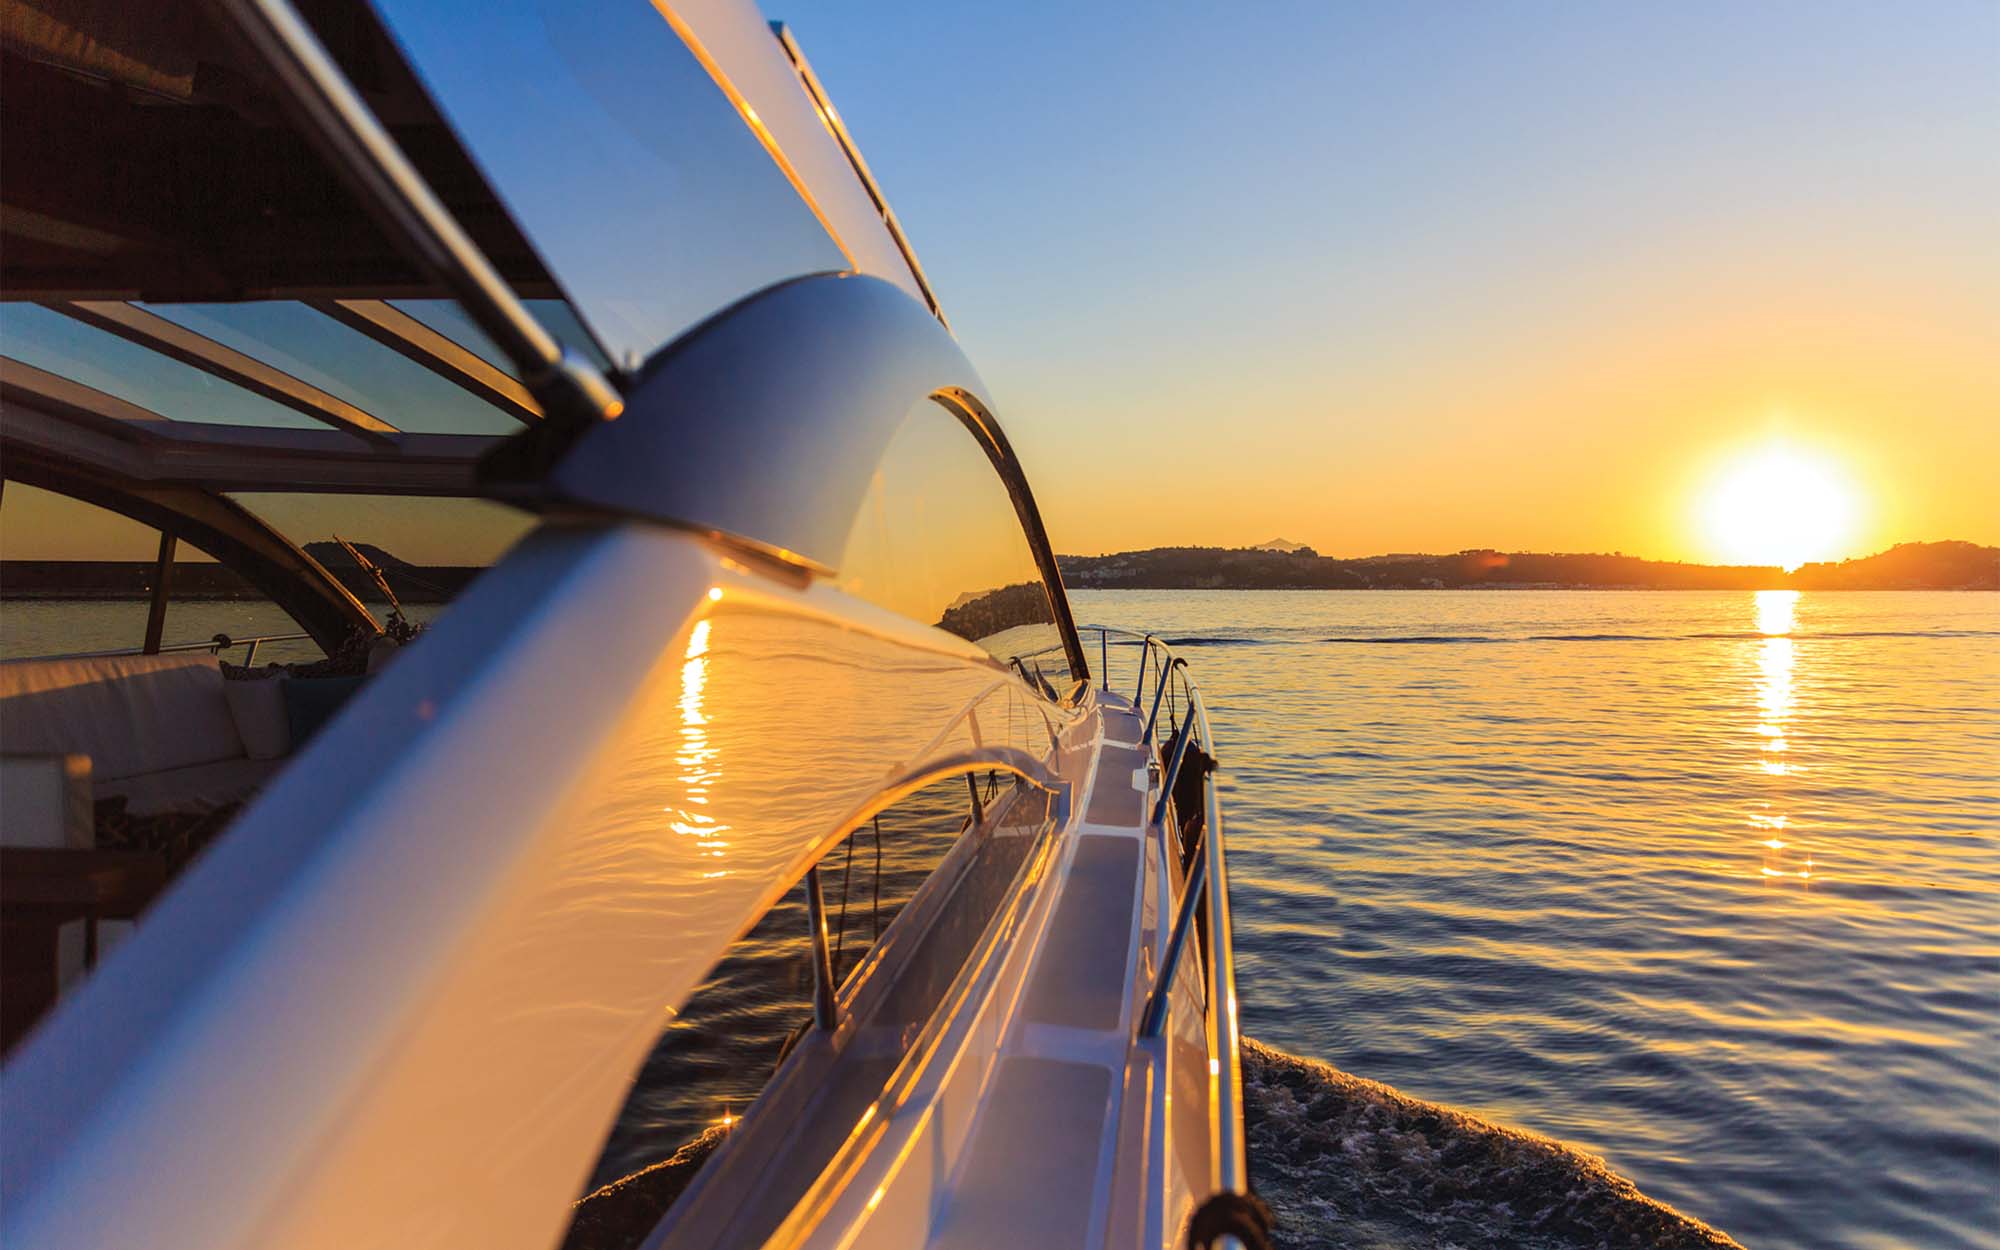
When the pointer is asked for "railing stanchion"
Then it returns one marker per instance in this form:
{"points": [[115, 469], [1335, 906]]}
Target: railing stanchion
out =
{"points": [[1104, 657], [1145, 658], [1160, 684], [1173, 769]]}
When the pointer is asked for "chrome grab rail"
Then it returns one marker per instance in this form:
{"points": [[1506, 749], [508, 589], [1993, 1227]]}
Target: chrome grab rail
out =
{"points": [[214, 646], [1208, 883], [1160, 684]]}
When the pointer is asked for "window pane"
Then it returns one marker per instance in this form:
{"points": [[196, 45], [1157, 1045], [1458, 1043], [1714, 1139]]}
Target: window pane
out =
{"points": [[318, 350], [549, 97], [938, 540], [742, 1075], [557, 317], [78, 578], [102, 361], [74, 577], [427, 549]]}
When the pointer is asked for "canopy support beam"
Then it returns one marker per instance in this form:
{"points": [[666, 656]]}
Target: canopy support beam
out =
{"points": [[163, 578]]}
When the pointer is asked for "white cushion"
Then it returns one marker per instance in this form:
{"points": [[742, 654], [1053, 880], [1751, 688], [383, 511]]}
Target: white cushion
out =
{"points": [[258, 708], [196, 786], [45, 801], [132, 714]]}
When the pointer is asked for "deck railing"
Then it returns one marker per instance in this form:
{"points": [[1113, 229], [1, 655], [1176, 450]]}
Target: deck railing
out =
{"points": [[1207, 888], [214, 646]]}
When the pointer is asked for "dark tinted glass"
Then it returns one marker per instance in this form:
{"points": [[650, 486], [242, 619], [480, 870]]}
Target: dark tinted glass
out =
{"points": [[552, 98], [138, 375], [316, 349]]}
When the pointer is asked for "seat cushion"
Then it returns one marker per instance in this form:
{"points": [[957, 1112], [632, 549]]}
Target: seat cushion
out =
{"points": [[132, 714], [257, 705], [199, 785], [46, 801]]}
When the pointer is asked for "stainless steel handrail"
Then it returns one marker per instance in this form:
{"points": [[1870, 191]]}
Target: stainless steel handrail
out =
{"points": [[214, 646], [1225, 1077]]}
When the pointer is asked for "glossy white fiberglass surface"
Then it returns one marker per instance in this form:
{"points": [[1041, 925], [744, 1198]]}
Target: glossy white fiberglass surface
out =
{"points": [[400, 1002]]}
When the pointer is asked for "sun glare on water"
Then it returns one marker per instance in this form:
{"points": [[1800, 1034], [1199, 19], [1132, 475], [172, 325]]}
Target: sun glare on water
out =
{"points": [[1779, 505]]}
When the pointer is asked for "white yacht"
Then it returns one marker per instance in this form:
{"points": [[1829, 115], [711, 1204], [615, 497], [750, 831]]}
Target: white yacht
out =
{"points": [[601, 756]]}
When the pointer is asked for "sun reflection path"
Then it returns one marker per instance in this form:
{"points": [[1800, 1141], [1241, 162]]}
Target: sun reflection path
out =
{"points": [[1777, 659], [696, 757]]}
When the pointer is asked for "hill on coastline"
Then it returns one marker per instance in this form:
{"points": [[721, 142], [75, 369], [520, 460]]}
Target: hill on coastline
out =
{"points": [[1906, 566]]}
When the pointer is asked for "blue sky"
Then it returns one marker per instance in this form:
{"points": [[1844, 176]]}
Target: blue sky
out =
{"points": [[1450, 275]]}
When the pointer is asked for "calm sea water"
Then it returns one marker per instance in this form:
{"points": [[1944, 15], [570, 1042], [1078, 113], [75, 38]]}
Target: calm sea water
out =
{"points": [[1705, 883], [34, 627]]}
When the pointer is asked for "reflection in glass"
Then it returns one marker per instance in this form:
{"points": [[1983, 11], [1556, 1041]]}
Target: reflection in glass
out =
{"points": [[404, 554], [549, 98], [316, 349], [138, 375], [938, 540], [910, 894], [449, 319]]}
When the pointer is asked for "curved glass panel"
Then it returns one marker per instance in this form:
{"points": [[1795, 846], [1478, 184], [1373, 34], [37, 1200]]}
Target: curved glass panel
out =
{"points": [[603, 106], [938, 540], [102, 361], [426, 549], [557, 317], [316, 349]]}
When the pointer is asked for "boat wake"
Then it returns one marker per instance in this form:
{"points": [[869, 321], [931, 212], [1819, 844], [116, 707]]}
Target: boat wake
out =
{"points": [[1348, 1164]]}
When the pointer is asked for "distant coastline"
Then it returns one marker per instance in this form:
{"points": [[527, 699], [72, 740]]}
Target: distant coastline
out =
{"points": [[1280, 566], [1908, 566], [206, 581]]}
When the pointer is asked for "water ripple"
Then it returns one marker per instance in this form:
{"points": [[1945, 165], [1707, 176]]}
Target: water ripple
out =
{"points": [[1705, 885]]}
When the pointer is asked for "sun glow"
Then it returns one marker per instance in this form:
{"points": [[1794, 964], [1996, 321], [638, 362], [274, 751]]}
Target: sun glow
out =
{"points": [[1779, 505]]}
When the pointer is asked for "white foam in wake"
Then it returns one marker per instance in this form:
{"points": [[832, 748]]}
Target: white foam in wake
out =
{"points": [[1348, 1164]]}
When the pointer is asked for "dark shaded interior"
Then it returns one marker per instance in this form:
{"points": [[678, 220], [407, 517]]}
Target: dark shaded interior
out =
{"points": [[146, 157]]}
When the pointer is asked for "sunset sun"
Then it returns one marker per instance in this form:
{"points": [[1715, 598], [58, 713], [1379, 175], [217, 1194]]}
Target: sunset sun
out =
{"points": [[1778, 505]]}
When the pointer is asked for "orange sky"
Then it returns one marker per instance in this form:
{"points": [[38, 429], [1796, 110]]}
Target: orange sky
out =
{"points": [[1399, 278], [1598, 427]]}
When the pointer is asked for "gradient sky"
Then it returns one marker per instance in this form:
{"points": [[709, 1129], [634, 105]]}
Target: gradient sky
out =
{"points": [[1423, 277]]}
